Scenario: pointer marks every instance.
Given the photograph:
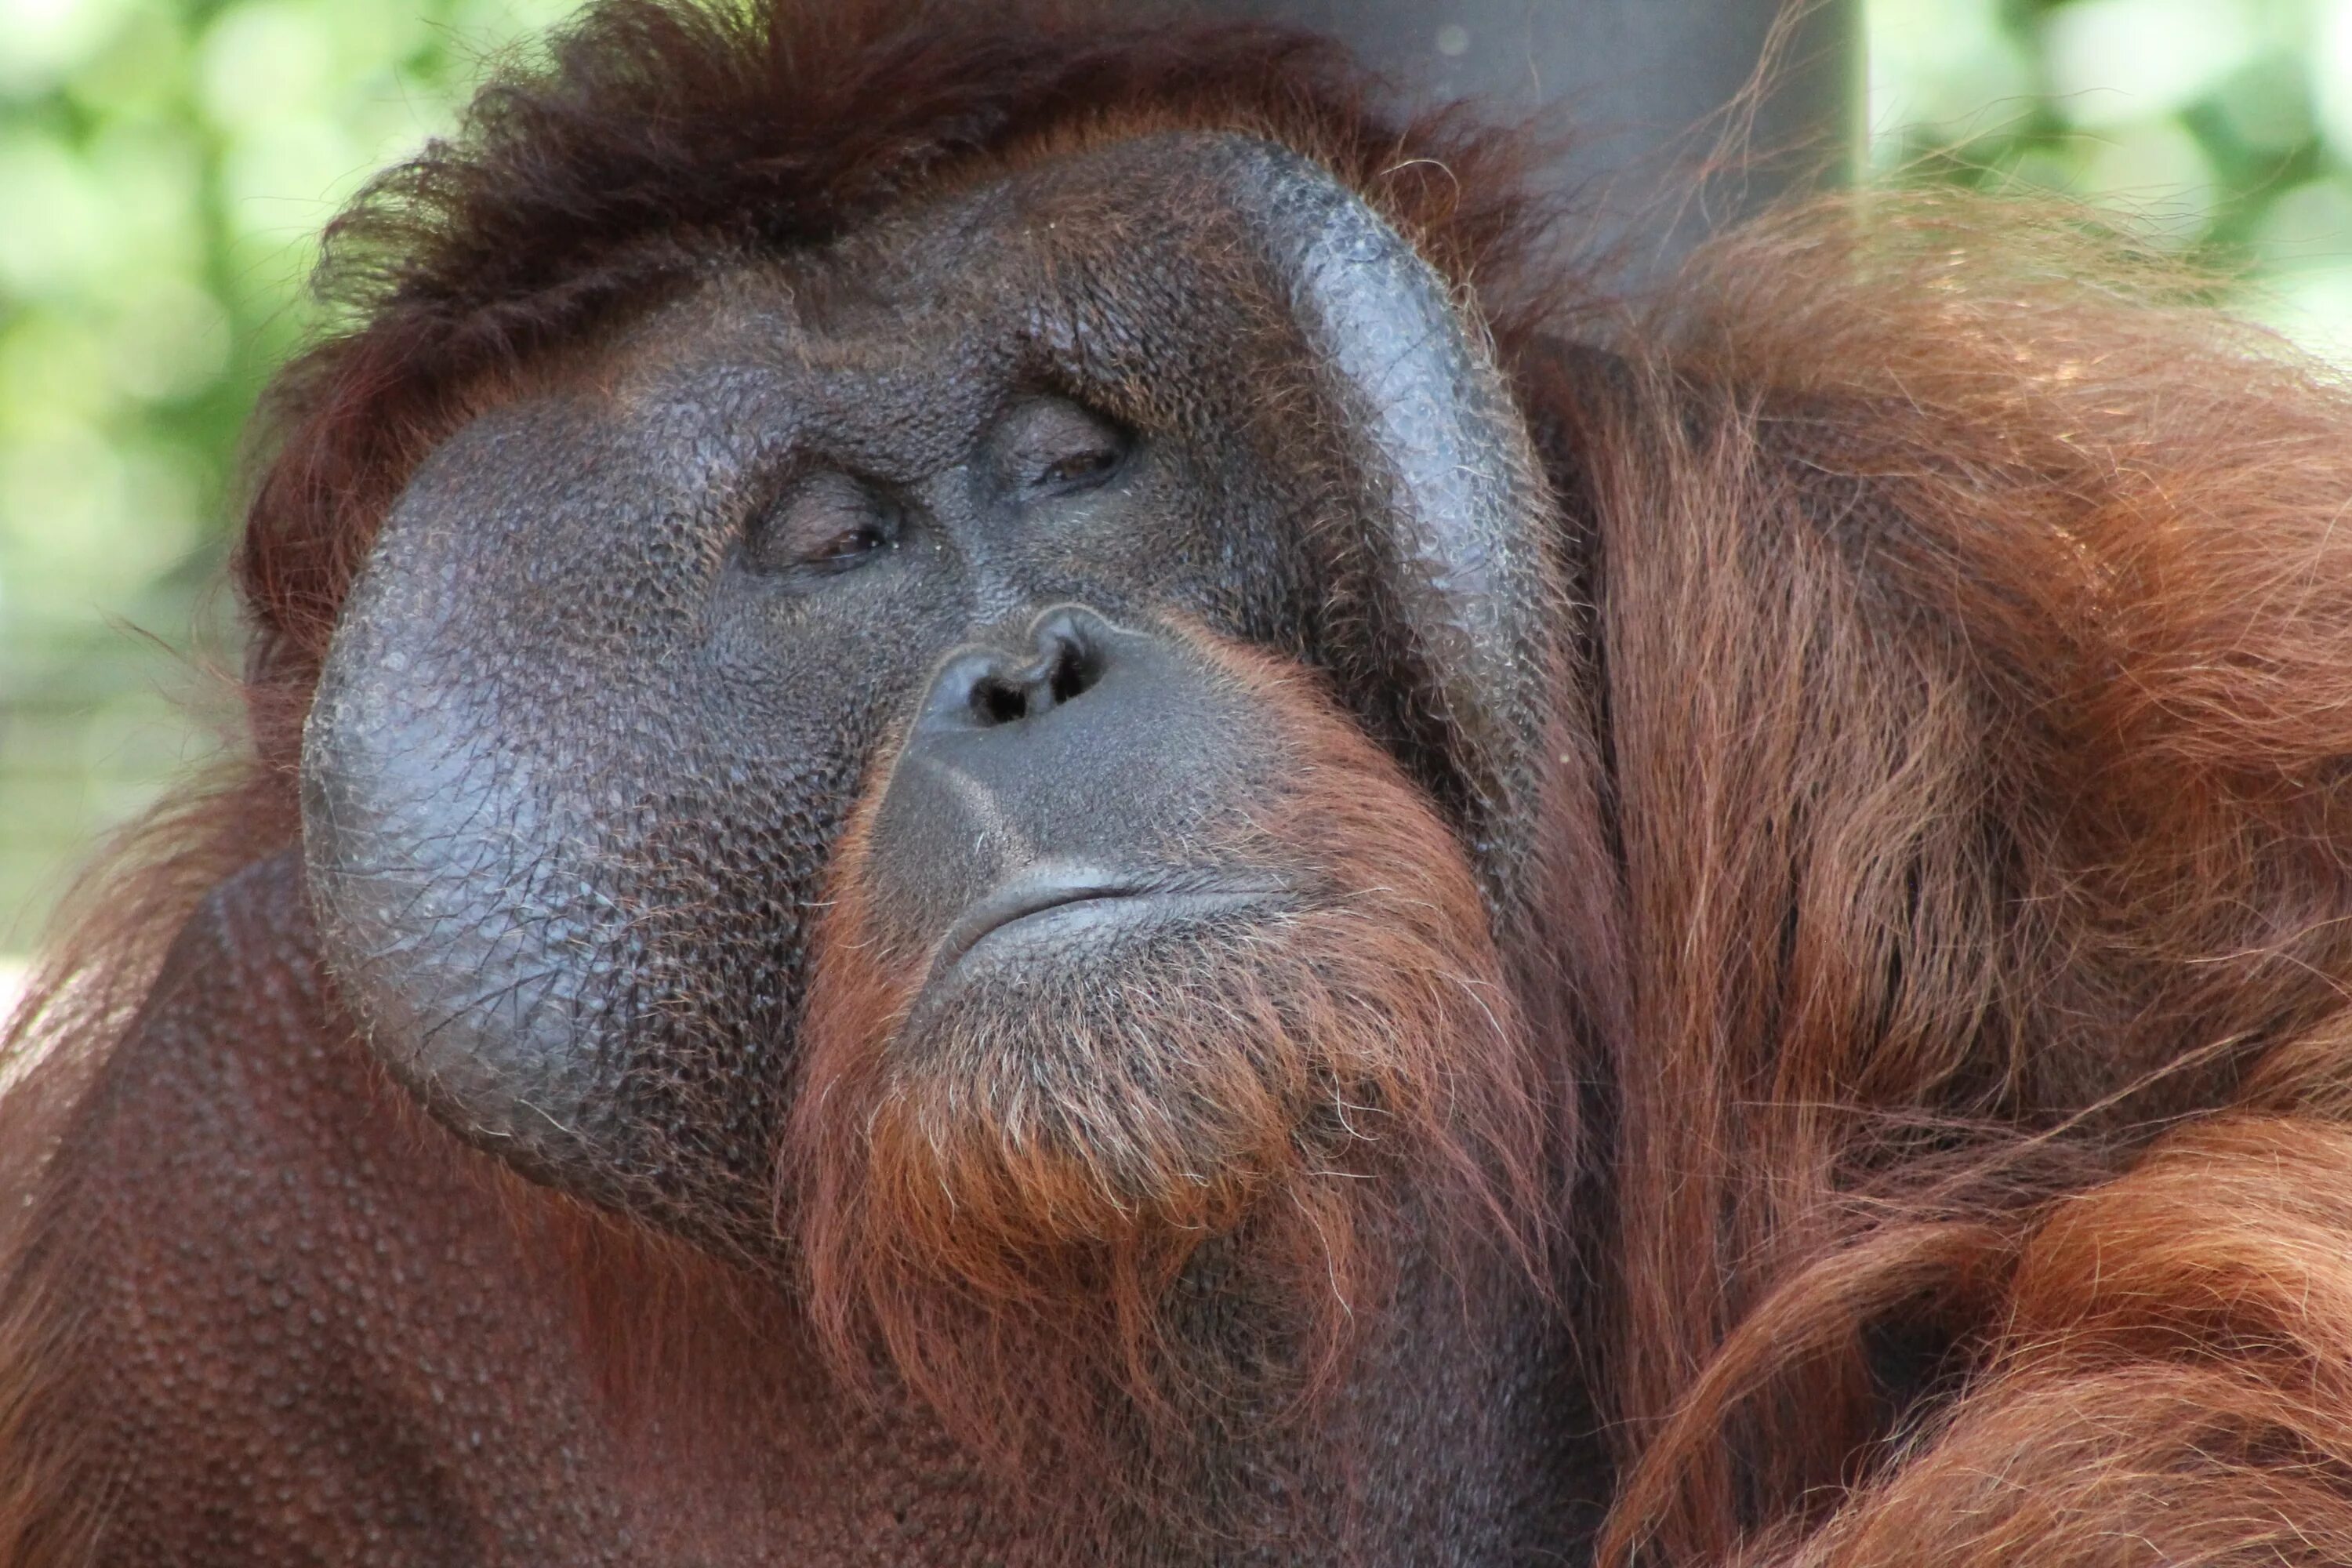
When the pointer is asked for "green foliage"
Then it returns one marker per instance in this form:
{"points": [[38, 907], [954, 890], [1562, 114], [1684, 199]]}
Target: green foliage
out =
{"points": [[2222, 128], [166, 166]]}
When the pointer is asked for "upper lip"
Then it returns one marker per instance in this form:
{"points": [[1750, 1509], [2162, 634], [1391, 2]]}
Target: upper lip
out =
{"points": [[1035, 891]]}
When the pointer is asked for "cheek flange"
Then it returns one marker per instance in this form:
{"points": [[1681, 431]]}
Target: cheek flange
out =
{"points": [[469, 950]]}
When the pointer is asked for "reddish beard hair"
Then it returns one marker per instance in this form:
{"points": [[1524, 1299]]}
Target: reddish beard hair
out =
{"points": [[1025, 1219]]}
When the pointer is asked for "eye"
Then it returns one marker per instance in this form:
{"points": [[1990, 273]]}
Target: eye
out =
{"points": [[823, 523], [849, 544], [1079, 468], [1051, 445]]}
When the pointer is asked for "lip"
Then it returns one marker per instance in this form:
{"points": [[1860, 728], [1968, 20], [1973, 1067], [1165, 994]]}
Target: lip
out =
{"points": [[1075, 895]]}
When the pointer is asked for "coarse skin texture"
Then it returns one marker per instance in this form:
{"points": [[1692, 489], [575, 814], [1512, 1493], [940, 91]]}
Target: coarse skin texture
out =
{"points": [[1836, 1050]]}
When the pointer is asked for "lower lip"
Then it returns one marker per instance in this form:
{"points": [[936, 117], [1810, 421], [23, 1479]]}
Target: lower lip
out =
{"points": [[1059, 932], [1061, 928], [1118, 911]]}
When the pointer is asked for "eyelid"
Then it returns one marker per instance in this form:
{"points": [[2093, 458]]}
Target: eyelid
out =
{"points": [[1085, 462], [813, 523], [862, 539], [823, 546], [1068, 445]]}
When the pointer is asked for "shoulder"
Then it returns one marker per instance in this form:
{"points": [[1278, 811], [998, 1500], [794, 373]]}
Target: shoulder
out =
{"points": [[245, 1263]]}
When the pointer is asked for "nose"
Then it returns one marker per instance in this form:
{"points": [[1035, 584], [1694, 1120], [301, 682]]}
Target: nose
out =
{"points": [[1070, 649], [1081, 755], [1074, 749]]}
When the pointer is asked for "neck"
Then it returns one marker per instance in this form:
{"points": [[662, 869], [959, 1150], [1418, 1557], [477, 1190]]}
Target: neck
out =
{"points": [[1450, 1430]]}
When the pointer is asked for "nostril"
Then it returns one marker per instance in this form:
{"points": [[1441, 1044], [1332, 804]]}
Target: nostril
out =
{"points": [[991, 687], [1069, 661], [997, 700], [1071, 672]]}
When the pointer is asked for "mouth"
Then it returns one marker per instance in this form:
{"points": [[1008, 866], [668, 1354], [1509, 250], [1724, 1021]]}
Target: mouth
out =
{"points": [[1069, 904]]}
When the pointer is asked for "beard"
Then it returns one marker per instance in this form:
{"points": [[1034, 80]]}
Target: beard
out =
{"points": [[1154, 1187]]}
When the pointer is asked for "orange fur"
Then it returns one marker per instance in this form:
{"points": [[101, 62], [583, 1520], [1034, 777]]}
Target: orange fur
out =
{"points": [[1013, 1250], [1979, 664]]}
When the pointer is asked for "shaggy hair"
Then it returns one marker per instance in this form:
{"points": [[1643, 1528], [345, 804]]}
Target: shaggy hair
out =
{"points": [[1978, 643], [1948, 901], [1008, 1209]]}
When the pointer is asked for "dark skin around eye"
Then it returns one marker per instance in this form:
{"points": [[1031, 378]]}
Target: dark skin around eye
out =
{"points": [[825, 521]]}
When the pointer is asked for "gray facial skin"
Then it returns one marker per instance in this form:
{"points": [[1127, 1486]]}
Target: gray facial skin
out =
{"points": [[1039, 807], [632, 644]]}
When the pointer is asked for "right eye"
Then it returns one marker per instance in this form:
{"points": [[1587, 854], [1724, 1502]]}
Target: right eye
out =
{"points": [[825, 523], [1053, 446], [844, 548]]}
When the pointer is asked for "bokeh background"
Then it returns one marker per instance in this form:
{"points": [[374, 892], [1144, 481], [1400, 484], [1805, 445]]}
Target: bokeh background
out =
{"points": [[166, 166]]}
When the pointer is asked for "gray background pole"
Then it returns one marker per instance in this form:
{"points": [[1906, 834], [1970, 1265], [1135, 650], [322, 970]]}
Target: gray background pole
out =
{"points": [[1631, 79]]}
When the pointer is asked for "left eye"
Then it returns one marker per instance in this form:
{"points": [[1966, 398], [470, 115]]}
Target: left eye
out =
{"points": [[1079, 469], [1052, 445], [825, 523], [851, 544]]}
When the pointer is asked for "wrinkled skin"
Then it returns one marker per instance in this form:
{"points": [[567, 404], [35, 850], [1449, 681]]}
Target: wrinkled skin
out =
{"points": [[974, 518]]}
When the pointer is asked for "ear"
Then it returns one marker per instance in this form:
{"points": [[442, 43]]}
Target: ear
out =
{"points": [[1464, 517]]}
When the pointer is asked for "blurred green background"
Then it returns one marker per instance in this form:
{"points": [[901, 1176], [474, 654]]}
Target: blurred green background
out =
{"points": [[165, 165]]}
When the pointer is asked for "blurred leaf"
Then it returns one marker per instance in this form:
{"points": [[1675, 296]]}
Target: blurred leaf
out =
{"points": [[2114, 62], [166, 166], [41, 41]]}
